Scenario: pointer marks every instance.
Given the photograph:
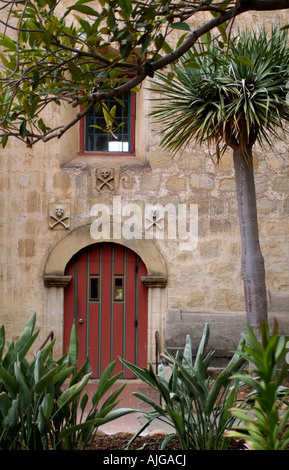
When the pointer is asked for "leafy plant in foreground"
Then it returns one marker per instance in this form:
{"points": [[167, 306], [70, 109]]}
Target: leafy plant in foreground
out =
{"points": [[195, 405], [40, 400], [267, 413]]}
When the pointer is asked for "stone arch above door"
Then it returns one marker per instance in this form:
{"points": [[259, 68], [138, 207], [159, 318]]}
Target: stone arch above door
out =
{"points": [[79, 238]]}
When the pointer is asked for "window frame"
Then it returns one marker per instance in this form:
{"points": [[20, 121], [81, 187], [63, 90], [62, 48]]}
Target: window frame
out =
{"points": [[114, 287], [91, 278], [82, 129]]}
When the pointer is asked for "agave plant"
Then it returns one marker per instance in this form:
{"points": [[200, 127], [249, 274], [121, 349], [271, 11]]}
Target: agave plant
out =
{"points": [[196, 406], [231, 97]]}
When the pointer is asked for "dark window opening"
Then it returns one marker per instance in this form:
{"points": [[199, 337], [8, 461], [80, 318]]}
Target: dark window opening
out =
{"points": [[94, 288]]}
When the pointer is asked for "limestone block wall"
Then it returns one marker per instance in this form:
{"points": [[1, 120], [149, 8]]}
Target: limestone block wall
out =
{"points": [[206, 279]]}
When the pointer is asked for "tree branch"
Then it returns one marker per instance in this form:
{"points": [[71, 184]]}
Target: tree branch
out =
{"points": [[144, 69], [163, 61]]}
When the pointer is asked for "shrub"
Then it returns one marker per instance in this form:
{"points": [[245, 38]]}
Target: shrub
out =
{"points": [[40, 400], [266, 415], [194, 404]]}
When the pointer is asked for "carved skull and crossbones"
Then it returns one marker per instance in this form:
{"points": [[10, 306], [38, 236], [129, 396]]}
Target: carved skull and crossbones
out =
{"points": [[59, 217], [154, 220], [105, 178]]}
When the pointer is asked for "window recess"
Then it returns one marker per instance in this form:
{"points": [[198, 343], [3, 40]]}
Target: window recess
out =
{"points": [[94, 289], [95, 139], [118, 291]]}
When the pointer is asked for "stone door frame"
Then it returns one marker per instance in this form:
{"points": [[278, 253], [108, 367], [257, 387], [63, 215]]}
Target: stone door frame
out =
{"points": [[55, 280]]}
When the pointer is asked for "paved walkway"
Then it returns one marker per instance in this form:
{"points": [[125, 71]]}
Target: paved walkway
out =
{"points": [[133, 421]]}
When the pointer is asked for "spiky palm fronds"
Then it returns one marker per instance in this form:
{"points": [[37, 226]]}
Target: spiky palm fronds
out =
{"points": [[227, 97]]}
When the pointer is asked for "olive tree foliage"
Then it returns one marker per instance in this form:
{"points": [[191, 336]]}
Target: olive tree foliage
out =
{"points": [[83, 52]]}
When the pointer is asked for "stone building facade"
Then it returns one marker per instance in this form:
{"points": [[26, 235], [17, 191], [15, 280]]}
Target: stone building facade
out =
{"points": [[187, 286]]}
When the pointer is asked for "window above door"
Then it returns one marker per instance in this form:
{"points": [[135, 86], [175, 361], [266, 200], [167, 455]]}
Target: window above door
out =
{"points": [[94, 140]]}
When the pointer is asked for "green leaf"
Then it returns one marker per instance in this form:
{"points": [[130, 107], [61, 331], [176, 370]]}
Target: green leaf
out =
{"points": [[72, 392], [126, 8], [159, 41], [187, 356], [223, 5], [47, 405], [26, 347], [6, 63], [166, 47], [105, 382], [149, 70], [5, 404], [83, 370], [118, 413], [245, 61], [97, 127], [112, 398], [10, 383], [83, 9], [206, 38], [156, 406], [73, 346], [83, 401], [43, 422], [120, 101], [62, 374], [95, 422], [144, 375], [24, 391], [22, 130], [76, 72], [45, 381], [8, 44], [107, 116], [27, 332], [4, 141], [38, 368], [166, 441], [202, 348], [12, 418], [181, 25]]}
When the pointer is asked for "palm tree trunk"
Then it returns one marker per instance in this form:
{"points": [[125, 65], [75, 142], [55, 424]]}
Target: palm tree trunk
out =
{"points": [[253, 269]]}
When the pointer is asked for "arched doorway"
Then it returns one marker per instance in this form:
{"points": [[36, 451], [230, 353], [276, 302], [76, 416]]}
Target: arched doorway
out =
{"points": [[109, 303]]}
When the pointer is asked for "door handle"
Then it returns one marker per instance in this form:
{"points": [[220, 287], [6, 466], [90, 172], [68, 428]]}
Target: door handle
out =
{"points": [[80, 321]]}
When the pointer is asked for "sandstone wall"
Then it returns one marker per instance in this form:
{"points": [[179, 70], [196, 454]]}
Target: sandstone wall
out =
{"points": [[205, 280]]}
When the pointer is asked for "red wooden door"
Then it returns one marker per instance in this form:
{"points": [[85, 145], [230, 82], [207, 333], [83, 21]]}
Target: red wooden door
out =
{"points": [[108, 301]]}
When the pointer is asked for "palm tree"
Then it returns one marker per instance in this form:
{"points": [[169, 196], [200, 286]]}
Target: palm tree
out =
{"points": [[232, 97]]}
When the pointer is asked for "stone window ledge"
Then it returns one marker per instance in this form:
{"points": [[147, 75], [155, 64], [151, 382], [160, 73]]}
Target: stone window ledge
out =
{"points": [[91, 161]]}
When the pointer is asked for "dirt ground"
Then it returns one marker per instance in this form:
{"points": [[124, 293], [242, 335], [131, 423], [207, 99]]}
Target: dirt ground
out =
{"points": [[119, 441], [152, 441]]}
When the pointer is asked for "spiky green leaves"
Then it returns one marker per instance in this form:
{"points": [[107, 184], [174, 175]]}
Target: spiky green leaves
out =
{"points": [[229, 97]]}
